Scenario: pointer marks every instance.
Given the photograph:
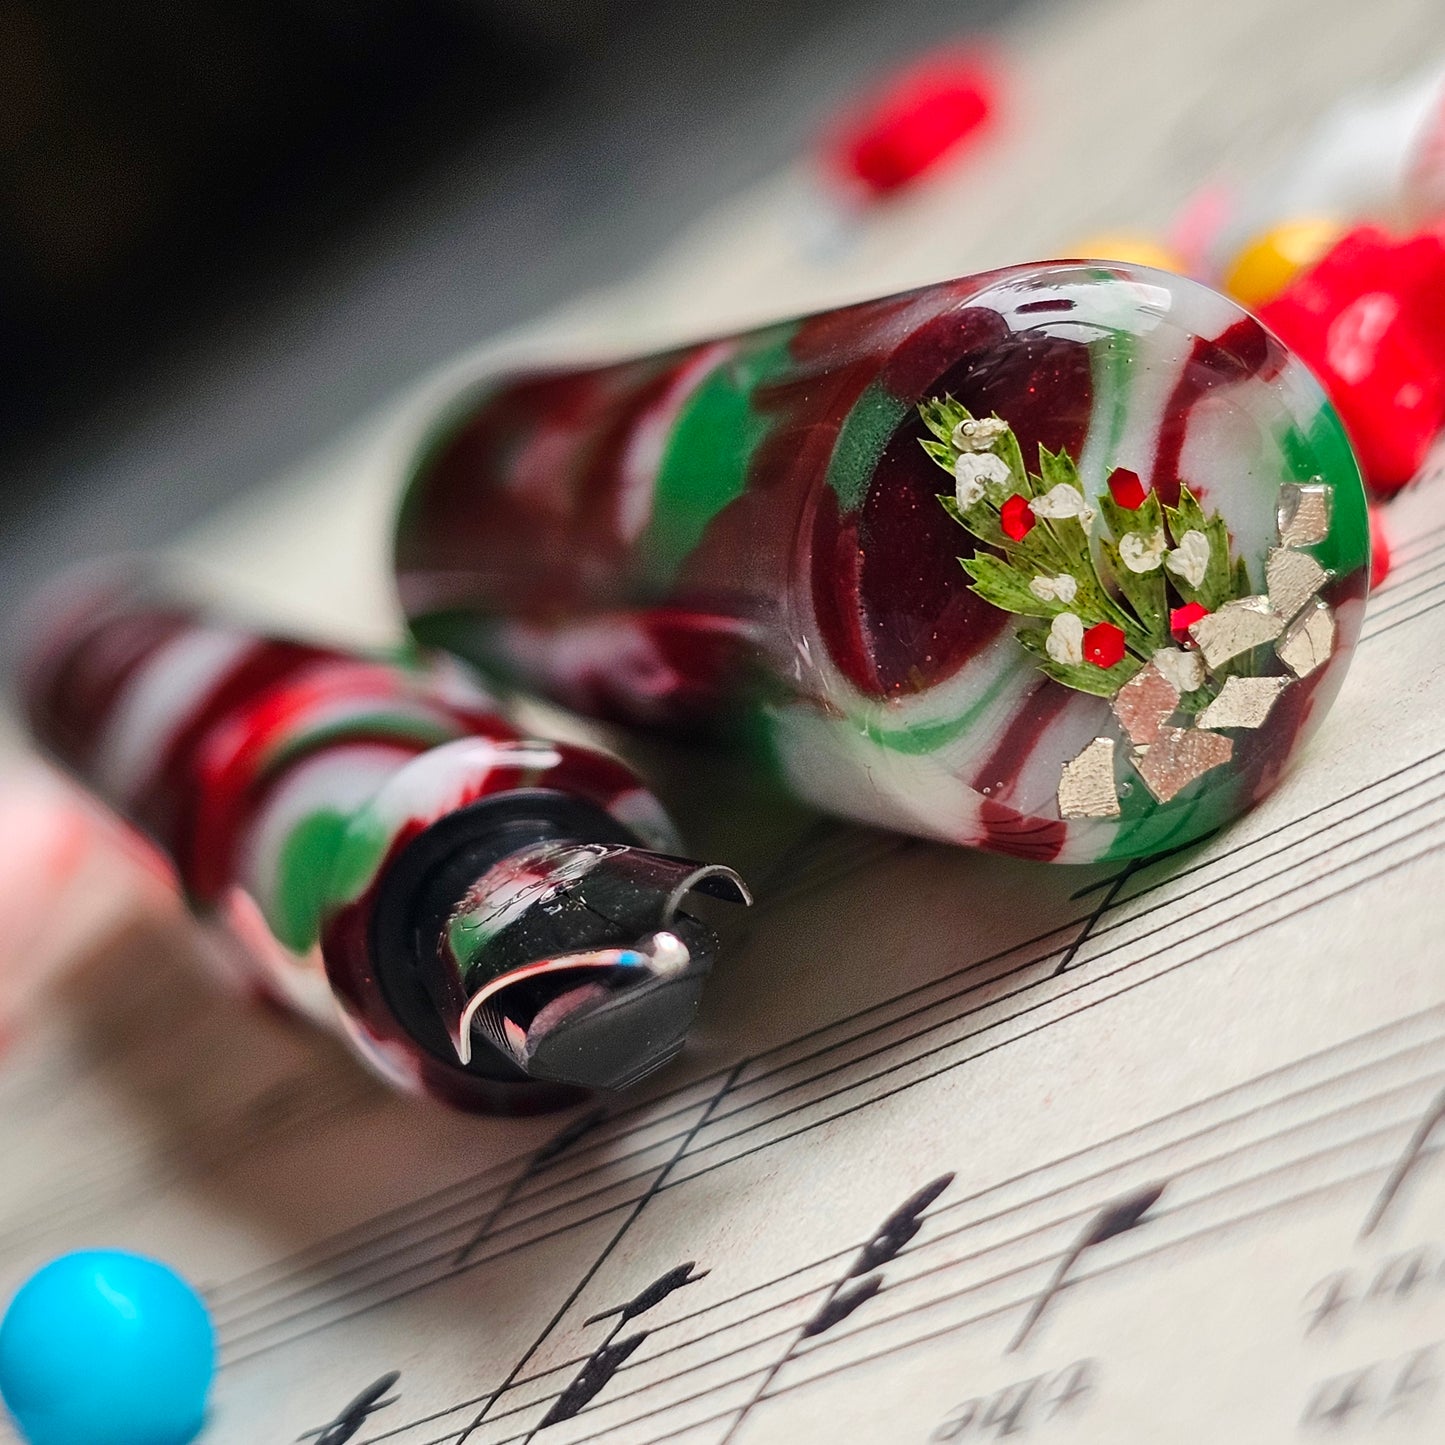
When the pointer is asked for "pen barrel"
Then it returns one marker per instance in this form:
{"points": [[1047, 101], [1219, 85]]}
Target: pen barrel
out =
{"points": [[746, 536], [287, 783]]}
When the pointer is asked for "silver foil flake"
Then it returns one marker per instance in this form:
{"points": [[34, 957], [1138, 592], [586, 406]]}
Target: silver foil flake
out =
{"points": [[1086, 785], [1181, 755], [1145, 703], [1310, 640], [1291, 578], [1303, 513], [1243, 702], [1237, 627]]}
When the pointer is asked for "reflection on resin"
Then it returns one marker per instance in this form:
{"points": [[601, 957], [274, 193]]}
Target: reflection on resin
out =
{"points": [[912, 550]]}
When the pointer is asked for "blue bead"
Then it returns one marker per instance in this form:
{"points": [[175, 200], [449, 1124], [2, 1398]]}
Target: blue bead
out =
{"points": [[105, 1348]]}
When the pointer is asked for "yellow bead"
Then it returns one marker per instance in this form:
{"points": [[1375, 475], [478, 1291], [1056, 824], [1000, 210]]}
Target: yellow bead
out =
{"points": [[1126, 246], [1273, 259]]}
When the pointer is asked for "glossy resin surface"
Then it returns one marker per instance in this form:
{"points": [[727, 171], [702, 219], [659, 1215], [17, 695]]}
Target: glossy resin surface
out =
{"points": [[283, 781], [749, 536]]}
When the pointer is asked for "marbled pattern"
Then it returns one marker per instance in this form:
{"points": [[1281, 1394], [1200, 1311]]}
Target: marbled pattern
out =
{"points": [[746, 535], [282, 778]]}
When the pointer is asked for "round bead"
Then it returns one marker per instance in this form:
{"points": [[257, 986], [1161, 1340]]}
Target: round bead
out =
{"points": [[1135, 250], [1272, 260], [106, 1348]]}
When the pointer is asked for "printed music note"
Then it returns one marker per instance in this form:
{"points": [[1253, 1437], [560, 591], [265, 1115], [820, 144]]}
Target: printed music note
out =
{"points": [[843, 1297], [1113, 1219], [1413, 1152], [354, 1416], [1113, 886], [704, 1113], [612, 1353]]}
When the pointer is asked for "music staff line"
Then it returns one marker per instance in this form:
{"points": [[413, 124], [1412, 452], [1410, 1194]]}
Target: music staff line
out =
{"points": [[429, 1282], [1059, 1224], [1247, 1111], [1401, 589], [874, 1321], [601, 1139], [943, 1331], [602, 1257], [466, 1187], [1400, 592], [1122, 922], [463, 1193], [74, 1200], [1331, 1081], [1085, 982], [236, 1342], [1125, 987]]}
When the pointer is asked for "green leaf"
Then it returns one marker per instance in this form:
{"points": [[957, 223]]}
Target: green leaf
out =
{"points": [[1147, 518], [1007, 447], [1196, 701], [1145, 594], [941, 452], [1057, 469], [1188, 516], [1007, 587], [1081, 676], [980, 520], [1218, 586], [941, 415], [1043, 549]]}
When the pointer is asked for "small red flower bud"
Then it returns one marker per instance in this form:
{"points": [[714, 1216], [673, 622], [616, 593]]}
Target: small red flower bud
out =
{"points": [[1016, 517], [1126, 488], [1181, 619], [1104, 644]]}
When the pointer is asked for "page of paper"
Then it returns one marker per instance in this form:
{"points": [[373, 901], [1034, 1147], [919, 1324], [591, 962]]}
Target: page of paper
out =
{"points": [[964, 1149]]}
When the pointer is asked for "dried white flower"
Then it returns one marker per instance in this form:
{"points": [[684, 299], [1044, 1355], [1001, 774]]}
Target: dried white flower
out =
{"points": [[1143, 554], [973, 471], [1190, 559], [1066, 638], [978, 434], [1064, 500], [1184, 669], [1063, 588]]}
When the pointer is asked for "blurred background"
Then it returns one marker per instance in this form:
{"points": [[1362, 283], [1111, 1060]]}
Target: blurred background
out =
{"points": [[230, 233], [229, 230]]}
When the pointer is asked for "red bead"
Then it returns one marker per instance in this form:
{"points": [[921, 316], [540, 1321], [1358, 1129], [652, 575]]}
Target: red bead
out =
{"points": [[1126, 489], [1379, 549], [915, 122], [1016, 517], [1369, 321], [1104, 644], [1181, 619]]}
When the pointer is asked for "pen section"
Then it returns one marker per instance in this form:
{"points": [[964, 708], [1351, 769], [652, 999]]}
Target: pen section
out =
{"points": [[490, 918]]}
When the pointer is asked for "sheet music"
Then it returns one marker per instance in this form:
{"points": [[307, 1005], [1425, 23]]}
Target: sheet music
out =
{"points": [[964, 1148]]}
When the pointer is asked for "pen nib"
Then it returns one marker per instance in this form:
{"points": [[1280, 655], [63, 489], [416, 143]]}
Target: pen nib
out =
{"points": [[620, 1013], [577, 963]]}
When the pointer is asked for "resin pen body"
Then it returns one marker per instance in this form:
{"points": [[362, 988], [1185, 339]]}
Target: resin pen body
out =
{"points": [[492, 919]]}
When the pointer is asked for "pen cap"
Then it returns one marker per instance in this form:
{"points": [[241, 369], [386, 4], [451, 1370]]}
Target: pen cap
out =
{"points": [[790, 536]]}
